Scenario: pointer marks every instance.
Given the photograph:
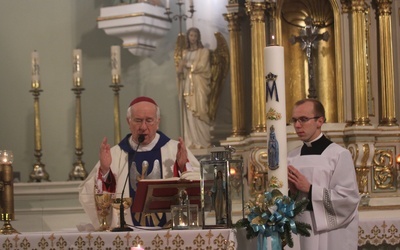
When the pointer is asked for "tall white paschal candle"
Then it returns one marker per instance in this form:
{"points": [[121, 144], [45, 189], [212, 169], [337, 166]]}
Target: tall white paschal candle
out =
{"points": [[274, 70]]}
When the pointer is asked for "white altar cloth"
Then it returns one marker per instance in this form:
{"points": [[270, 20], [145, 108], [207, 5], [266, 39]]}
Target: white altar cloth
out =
{"points": [[379, 227], [149, 240]]}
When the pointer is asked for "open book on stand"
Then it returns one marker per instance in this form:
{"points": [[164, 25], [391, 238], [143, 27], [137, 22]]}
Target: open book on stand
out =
{"points": [[158, 195]]}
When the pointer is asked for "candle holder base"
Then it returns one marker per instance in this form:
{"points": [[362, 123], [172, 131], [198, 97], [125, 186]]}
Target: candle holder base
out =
{"points": [[38, 173], [78, 172], [7, 228]]}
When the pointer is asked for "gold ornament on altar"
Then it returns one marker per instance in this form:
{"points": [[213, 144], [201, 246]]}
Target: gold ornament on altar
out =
{"points": [[103, 204], [116, 204]]}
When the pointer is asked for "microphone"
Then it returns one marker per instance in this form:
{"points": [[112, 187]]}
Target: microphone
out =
{"points": [[122, 222]]}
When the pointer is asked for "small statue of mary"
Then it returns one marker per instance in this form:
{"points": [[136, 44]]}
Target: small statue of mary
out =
{"points": [[273, 150]]}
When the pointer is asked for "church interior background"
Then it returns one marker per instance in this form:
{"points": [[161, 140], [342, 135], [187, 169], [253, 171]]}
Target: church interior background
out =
{"points": [[346, 55]]}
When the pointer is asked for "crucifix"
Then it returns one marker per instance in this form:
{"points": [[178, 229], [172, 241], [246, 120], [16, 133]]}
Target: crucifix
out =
{"points": [[308, 39]]}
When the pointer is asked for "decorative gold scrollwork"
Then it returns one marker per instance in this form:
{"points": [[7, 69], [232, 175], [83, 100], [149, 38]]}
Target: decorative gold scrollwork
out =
{"points": [[258, 168], [354, 153], [383, 171], [362, 179]]}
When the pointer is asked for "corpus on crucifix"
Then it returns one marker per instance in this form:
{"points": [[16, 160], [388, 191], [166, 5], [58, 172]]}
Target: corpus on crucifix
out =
{"points": [[308, 39]]}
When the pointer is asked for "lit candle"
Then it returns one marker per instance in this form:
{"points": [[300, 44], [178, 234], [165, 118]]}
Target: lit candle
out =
{"points": [[115, 60], [6, 157], [137, 248], [35, 70], [77, 67]]}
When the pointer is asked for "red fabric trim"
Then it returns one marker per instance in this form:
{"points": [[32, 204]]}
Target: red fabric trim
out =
{"points": [[110, 184], [177, 169]]}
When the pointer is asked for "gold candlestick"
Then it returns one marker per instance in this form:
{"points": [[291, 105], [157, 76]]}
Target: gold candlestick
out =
{"points": [[181, 17], [78, 171], [38, 173], [7, 192], [116, 87]]}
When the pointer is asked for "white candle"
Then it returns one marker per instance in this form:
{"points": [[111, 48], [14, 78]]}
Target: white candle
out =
{"points": [[115, 60], [276, 112], [77, 66], [137, 248], [35, 68], [167, 4], [4, 159], [191, 3]]}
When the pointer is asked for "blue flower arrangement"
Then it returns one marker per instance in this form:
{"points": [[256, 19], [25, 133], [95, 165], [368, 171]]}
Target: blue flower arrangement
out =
{"points": [[272, 214]]}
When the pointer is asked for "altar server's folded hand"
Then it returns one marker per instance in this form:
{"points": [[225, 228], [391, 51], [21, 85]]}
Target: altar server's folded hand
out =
{"points": [[181, 155], [298, 180], [105, 156]]}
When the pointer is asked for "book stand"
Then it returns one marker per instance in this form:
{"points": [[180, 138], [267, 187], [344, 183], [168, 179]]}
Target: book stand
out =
{"points": [[157, 196]]}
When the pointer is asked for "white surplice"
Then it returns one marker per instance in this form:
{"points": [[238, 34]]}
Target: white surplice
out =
{"points": [[119, 167], [335, 198]]}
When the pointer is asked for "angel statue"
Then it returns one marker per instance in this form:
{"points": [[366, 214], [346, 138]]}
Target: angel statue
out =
{"points": [[201, 73]]}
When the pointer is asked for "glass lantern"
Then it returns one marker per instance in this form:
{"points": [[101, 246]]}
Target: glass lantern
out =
{"points": [[221, 189]]}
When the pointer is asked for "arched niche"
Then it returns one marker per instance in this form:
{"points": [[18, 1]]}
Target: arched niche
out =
{"points": [[327, 57]]}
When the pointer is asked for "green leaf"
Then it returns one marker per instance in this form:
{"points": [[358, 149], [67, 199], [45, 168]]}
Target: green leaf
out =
{"points": [[303, 228]]}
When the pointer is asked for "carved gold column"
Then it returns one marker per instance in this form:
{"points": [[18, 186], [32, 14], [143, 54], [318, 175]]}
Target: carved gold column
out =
{"points": [[237, 87], [386, 64], [256, 11], [359, 65]]}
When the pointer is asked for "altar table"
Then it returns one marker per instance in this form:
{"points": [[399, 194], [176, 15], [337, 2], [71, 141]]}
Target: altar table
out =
{"points": [[217, 239], [379, 229]]}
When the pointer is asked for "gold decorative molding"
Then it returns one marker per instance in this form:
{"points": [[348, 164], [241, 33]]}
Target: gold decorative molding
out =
{"points": [[258, 170], [383, 171], [362, 179]]}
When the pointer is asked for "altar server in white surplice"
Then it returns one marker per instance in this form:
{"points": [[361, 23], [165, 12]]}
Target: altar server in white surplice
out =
{"points": [[323, 171]]}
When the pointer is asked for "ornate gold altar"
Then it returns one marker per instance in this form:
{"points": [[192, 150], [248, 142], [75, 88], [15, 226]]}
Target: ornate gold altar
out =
{"points": [[328, 47]]}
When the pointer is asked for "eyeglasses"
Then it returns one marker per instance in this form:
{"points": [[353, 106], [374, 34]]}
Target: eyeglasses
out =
{"points": [[303, 119], [148, 121]]}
